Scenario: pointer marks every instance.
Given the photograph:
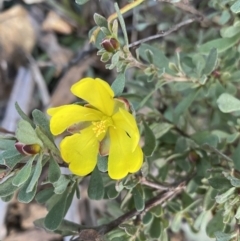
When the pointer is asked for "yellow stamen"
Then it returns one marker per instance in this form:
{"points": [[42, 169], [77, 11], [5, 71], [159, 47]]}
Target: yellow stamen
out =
{"points": [[99, 127]]}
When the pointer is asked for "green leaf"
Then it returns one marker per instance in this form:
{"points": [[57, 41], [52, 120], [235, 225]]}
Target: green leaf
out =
{"points": [[221, 44], [100, 20], [138, 197], [211, 62], [10, 158], [44, 195], [157, 211], [122, 23], [219, 182], [118, 84], [102, 163], [66, 228], [36, 175], [54, 171], [111, 191], [155, 228], [184, 105], [61, 184], [150, 141], [41, 120], [147, 218], [23, 115], [235, 8], [204, 137], [159, 59], [26, 134], [7, 188], [23, 195], [234, 181], [208, 201], [228, 103], [237, 214], [7, 198], [47, 142], [230, 31], [159, 129], [56, 213], [23, 175], [220, 236], [215, 224], [96, 188], [6, 144], [129, 229], [81, 2], [199, 221], [224, 197]]}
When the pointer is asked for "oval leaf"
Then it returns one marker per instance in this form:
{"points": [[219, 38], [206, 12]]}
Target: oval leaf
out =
{"points": [[150, 141], [96, 188], [228, 103]]}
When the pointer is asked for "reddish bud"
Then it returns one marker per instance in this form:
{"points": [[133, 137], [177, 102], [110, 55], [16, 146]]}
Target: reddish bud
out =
{"points": [[27, 150], [110, 44], [193, 156]]}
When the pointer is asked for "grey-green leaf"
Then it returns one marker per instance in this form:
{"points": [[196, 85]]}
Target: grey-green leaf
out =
{"points": [[23, 115], [54, 171], [61, 184], [96, 188], [24, 196], [236, 7], [138, 197], [211, 62], [159, 59], [184, 105], [221, 44], [220, 236], [100, 20], [26, 134], [56, 213], [23, 175], [156, 228], [41, 120], [36, 175], [150, 141], [118, 84], [215, 224], [102, 163], [7, 188], [228, 103]]}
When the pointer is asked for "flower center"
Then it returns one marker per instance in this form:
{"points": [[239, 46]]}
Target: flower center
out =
{"points": [[99, 127]]}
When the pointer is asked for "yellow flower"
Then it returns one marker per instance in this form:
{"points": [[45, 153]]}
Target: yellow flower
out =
{"points": [[103, 126]]}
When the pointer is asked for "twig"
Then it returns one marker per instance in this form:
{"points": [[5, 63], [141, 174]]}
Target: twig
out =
{"points": [[155, 185], [157, 200], [163, 34]]}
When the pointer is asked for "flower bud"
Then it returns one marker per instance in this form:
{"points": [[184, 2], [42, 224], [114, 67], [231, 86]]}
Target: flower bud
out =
{"points": [[193, 156], [110, 44], [27, 150]]}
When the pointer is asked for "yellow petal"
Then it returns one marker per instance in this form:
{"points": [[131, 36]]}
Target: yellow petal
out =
{"points": [[122, 160], [80, 151], [96, 92], [68, 115], [125, 121]]}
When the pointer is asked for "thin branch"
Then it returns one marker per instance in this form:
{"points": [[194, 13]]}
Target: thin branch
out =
{"points": [[163, 34], [154, 185], [157, 200]]}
